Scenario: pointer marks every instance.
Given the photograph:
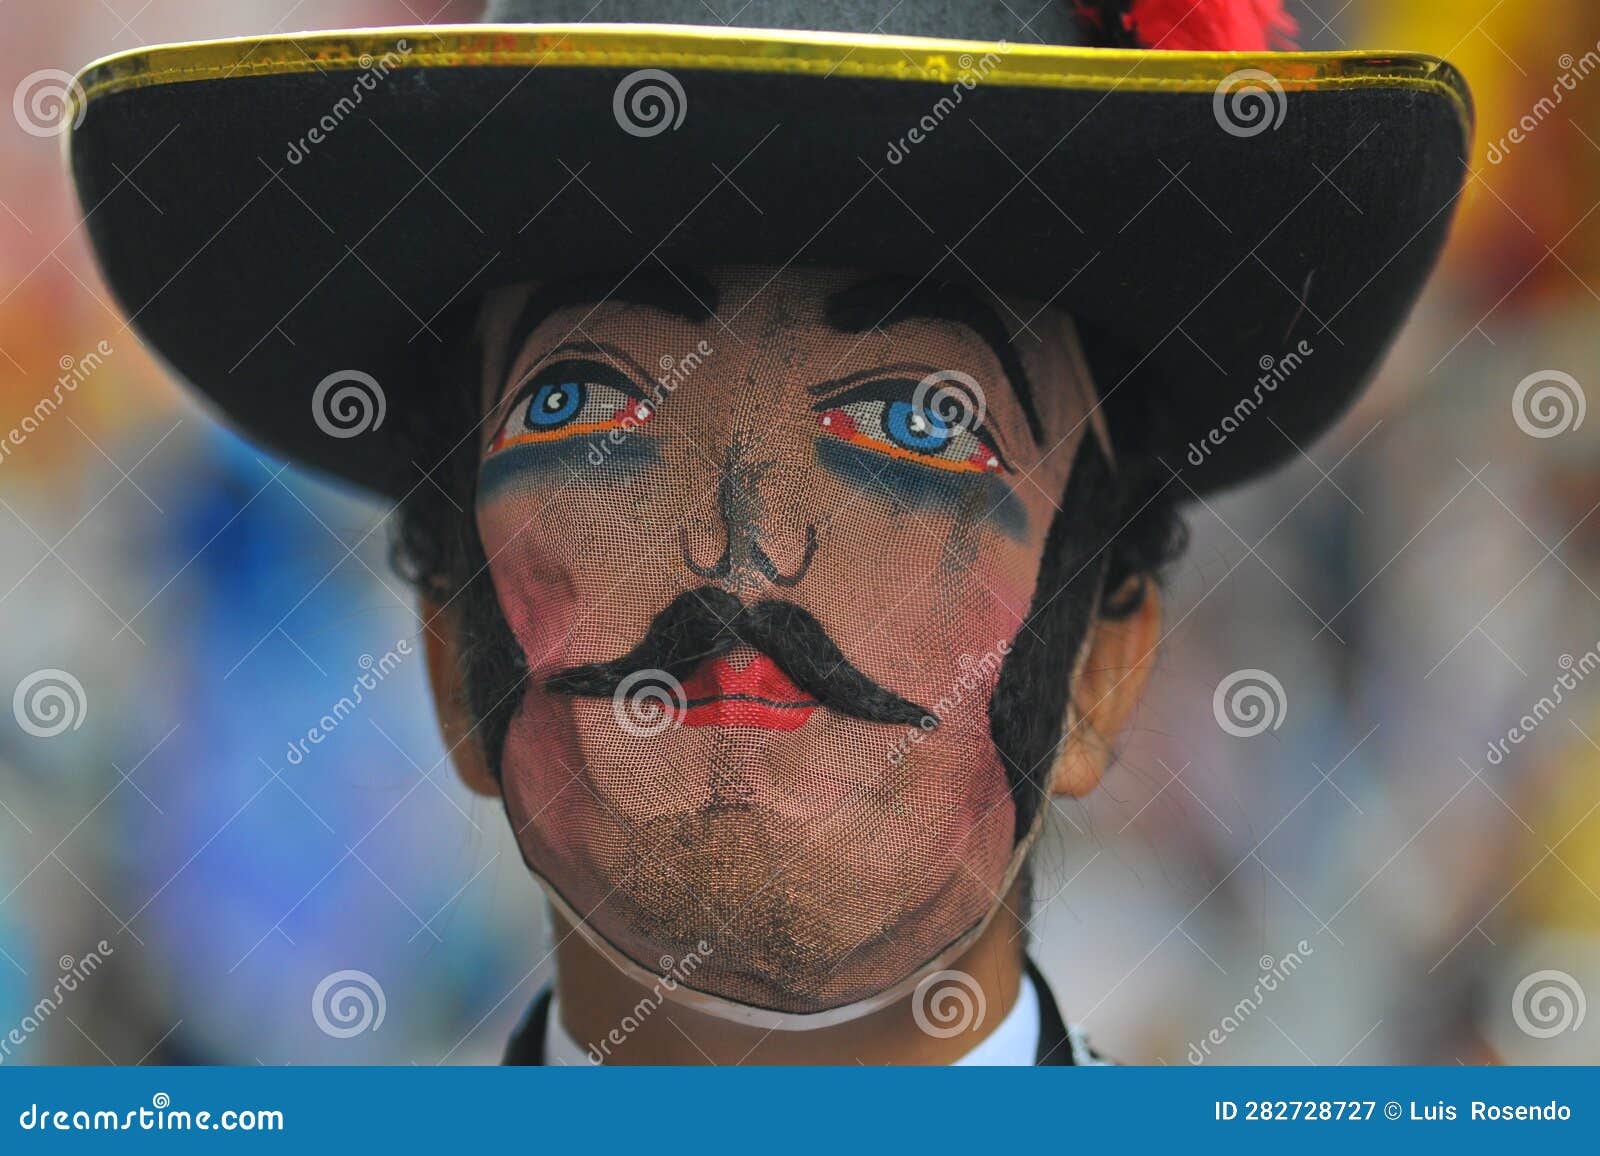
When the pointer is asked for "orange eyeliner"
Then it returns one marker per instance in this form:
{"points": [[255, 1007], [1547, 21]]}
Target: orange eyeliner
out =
{"points": [[571, 431], [840, 425]]}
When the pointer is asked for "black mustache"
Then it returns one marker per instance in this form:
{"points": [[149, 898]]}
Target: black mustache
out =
{"points": [[701, 624]]}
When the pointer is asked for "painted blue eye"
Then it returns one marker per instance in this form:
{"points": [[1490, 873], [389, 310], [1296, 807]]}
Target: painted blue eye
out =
{"points": [[917, 428], [554, 405]]}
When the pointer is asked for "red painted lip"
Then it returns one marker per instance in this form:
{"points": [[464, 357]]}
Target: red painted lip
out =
{"points": [[756, 695]]}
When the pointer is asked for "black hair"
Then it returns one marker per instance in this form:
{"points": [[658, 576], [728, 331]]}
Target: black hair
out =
{"points": [[435, 545], [1118, 529]]}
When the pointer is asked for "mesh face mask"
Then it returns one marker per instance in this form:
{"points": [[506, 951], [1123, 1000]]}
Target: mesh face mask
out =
{"points": [[767, 567]]}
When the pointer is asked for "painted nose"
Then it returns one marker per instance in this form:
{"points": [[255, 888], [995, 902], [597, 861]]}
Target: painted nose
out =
{"points": [[744, 559]]}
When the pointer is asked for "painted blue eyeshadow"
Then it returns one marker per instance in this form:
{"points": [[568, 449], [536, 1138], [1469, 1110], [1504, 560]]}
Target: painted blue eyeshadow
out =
{"points": [[595, 458], [909, 485]]}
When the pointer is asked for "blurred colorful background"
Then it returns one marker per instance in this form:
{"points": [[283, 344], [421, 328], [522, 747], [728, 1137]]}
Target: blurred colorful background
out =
{"points": [[1418, 885]]}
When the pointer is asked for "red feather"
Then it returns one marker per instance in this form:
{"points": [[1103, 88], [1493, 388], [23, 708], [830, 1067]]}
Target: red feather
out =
{"points": [[1211, 25]]}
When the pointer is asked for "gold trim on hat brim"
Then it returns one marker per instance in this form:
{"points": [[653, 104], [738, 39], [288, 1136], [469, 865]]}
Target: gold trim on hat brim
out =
{"points": [[761, 51]]}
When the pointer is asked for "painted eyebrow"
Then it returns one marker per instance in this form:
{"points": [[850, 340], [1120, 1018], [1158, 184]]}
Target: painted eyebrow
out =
{"points": [[886, 300], [585, 348], [678, 293], [837, 384]]}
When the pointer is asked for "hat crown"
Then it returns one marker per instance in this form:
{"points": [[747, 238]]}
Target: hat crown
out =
{"points": [[957, 19]]}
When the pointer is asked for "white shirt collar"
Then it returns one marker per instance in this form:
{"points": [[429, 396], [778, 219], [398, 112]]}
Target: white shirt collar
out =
{"points": [[1013, 1043]]}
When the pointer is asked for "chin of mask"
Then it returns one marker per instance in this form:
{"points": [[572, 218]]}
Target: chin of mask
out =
{"points": [[766, 542]]}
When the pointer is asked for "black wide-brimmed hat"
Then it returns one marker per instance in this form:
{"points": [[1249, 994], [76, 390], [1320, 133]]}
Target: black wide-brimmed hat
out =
{"points": [[1239, 235]]}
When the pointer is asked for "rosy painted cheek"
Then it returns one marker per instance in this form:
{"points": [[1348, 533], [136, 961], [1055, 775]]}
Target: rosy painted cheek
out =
{"points": [[955, 765], [545, 597], [992, 605], [1007, 600]]}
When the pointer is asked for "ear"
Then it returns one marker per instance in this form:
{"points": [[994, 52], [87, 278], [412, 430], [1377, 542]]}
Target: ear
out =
{"points": [[442, 640], [1107, 688]]}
